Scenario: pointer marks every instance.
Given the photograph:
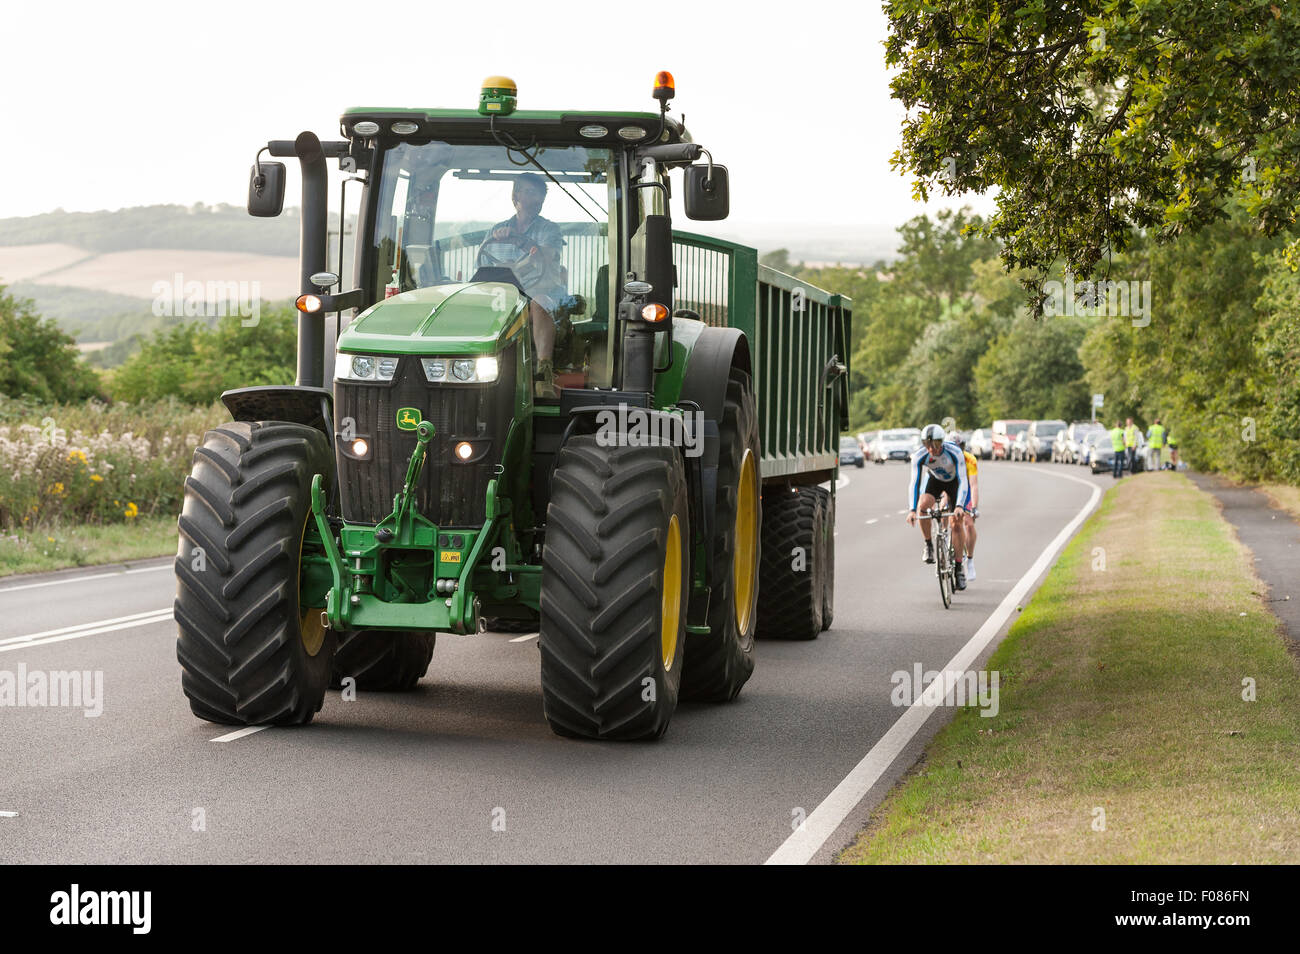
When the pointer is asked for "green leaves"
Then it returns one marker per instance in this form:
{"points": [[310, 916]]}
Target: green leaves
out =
{"points": [[38, 360], [1100, 117]]}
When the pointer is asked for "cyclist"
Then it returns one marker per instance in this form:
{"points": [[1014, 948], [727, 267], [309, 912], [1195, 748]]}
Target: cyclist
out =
{"points": [[947, 476], [967, 519]]}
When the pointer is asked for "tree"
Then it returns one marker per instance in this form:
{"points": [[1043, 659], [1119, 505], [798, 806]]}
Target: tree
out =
{"points": [[1098, 118], [1033, 370], [195, 363], [38, 360]]}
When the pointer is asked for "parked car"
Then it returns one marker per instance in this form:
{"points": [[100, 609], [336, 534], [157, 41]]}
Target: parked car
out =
{"points": [[897, 444], [1099, 456], [851, 451], [1069, 443], [1004, 434], [1039, 439], [981, 443], [1019, 449]]}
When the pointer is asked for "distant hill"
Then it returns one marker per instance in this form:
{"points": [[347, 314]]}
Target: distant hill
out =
{"points": [[95, 272], [220, 227]]}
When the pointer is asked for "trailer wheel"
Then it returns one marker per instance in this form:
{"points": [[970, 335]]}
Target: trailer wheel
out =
{"points": [[720, 662], [250, 654], [616, 577], [828, 559], [790, 576], [382, 660]]}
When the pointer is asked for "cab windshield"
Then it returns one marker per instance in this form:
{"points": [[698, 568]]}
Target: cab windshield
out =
{"points": [[450, 213]]}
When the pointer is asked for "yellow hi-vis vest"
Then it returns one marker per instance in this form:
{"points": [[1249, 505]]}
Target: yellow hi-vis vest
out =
{"points": [[1157, 435], [1131, 436], [1117, 440]]}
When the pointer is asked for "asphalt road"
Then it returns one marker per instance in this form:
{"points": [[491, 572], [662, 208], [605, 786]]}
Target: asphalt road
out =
{"points": [[434, 775]]}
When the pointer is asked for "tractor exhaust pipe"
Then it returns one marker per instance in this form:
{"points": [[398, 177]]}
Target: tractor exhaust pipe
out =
{"points": [[311, 256]]}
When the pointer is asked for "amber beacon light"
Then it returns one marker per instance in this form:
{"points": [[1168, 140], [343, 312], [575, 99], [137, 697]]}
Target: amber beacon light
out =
{"points": [[665, 88]]}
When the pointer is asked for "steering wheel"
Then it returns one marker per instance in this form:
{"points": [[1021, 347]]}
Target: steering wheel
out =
{"points": [[501, 252]]}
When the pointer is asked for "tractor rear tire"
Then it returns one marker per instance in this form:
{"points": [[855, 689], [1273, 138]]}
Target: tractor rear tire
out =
{"points": [[250, 654], [616, 580], [790, 590], [828, 559], [720, 662], [382, 660]]}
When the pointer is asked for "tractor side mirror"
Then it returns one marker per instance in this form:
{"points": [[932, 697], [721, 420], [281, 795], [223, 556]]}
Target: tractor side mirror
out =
{"points": [[707, 194], [266, 189]]}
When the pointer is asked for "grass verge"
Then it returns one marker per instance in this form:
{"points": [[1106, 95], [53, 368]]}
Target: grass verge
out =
{"points": [[1284, 497], [1122, 734], [60, 546]]}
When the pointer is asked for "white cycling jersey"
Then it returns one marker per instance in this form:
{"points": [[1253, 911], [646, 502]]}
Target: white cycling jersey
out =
{"points": [[950, 465]]}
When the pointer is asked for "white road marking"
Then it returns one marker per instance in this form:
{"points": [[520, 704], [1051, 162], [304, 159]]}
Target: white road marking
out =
{"points": [[240, 733], [84, 629], [8, 814], [524, 639], [874, 520], [901, 511], [802, 845], [82, 579]]}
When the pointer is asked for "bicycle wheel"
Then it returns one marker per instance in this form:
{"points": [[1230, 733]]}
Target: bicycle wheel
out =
{"points": [[943, 551]]}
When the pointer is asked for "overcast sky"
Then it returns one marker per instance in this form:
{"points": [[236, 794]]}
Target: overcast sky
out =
{"points": [[118, 104]]}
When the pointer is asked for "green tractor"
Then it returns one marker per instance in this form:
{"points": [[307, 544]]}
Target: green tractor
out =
{"points": [[549, 412]]}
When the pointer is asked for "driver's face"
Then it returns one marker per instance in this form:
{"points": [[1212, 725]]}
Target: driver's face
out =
{"points": [[527, 200]]}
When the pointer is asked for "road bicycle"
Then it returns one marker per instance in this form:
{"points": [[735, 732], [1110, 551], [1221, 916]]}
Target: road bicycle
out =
{"points": [[945, 561]]}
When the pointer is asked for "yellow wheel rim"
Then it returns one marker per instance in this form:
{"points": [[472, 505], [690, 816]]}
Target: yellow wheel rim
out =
{"points": [[744, 566], [310, 628], [672, 596]]}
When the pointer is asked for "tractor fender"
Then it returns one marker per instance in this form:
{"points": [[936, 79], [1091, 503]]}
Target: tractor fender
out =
{"points": [[715, 352], [294, 403]]}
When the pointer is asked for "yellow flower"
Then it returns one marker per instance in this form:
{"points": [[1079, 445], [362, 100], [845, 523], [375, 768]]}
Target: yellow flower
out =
{"points": [[96, 478], [51, 539], [131, 511], [78, 455], [57, 488]]}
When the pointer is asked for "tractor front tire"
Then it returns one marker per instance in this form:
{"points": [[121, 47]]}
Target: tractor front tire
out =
{"points": [[382, 660], [616, 577], [790, 590], [720, 662], [250, 654]]}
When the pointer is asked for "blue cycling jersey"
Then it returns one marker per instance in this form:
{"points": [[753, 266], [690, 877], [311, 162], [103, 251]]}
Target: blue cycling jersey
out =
{"points": [[948, 466]]}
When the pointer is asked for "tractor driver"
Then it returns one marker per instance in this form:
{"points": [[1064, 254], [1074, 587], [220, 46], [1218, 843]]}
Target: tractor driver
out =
{"points": [[530, 246]]}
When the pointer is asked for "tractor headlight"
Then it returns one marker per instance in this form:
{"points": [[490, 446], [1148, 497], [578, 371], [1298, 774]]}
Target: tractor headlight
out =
{"points": [[364, 367], [481, 370]]}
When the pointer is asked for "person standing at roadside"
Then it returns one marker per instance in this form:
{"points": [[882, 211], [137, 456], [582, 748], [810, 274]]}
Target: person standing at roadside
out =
{"points": [[1173, 451], [1130, 443], [1117, 445], [1155, 443]]}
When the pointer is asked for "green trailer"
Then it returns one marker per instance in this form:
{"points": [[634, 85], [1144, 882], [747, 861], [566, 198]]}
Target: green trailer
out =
{"points": [[572, 420]]}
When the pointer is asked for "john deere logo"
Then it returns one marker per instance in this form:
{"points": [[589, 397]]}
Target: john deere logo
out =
{"points": [[408, 418]]}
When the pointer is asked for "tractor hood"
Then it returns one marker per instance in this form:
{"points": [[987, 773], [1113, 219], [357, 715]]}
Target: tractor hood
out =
{"points": [[461, 318]]}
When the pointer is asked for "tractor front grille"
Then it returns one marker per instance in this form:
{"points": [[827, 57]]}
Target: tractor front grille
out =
{"points": [[451, 494]]}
